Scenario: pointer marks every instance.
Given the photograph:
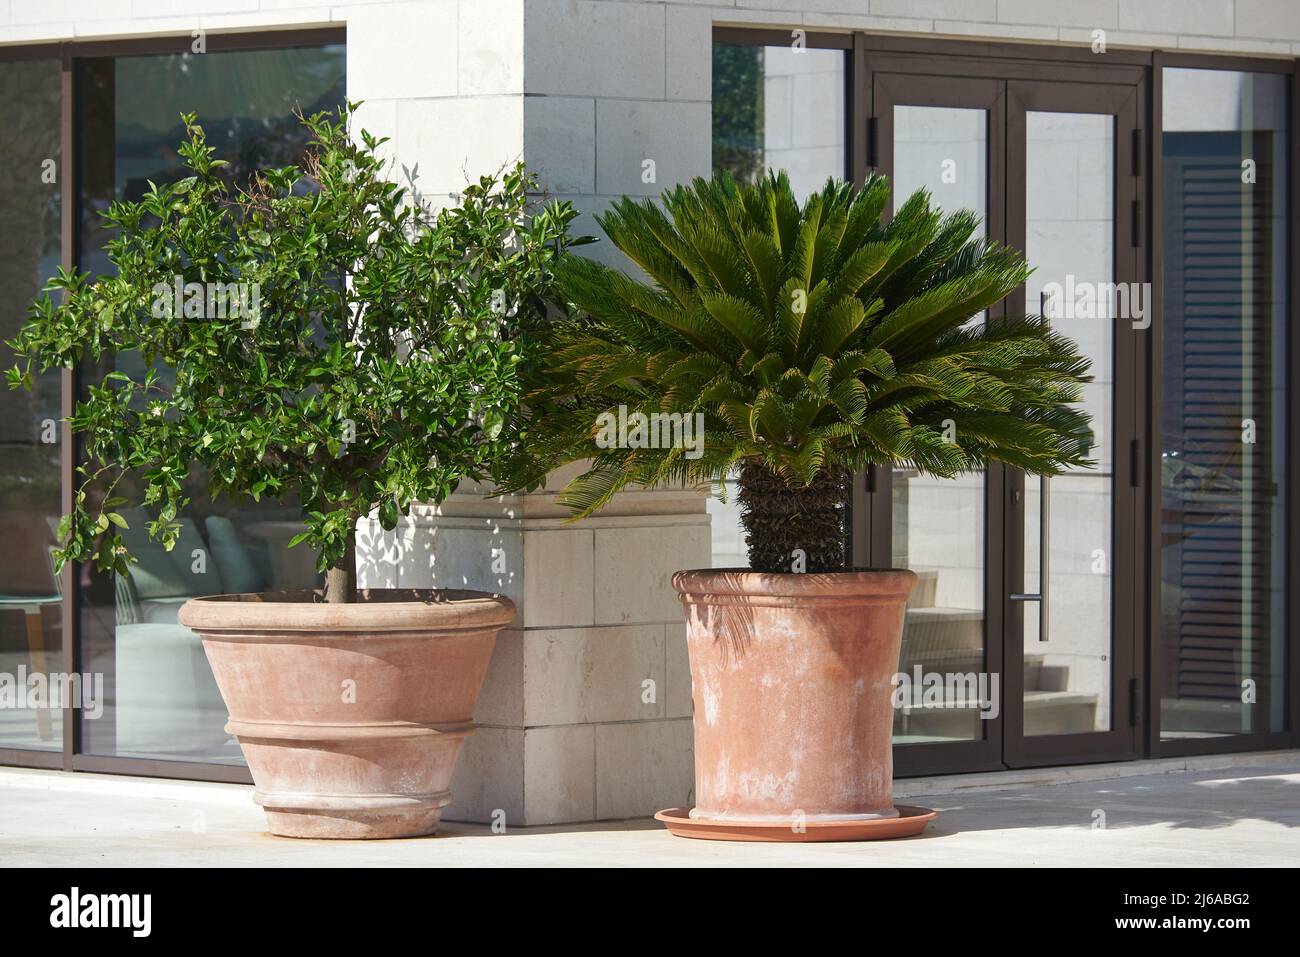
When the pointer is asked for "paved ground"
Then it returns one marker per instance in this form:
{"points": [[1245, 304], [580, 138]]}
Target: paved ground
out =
{"points": [[1233, 816]]}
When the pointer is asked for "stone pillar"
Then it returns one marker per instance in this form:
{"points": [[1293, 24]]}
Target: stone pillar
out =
{"points": [[443, 79], [585, 714]]}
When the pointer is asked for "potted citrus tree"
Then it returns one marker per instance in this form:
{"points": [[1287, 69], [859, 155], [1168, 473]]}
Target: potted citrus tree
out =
{"points": [[326, 336], [808, 341]]}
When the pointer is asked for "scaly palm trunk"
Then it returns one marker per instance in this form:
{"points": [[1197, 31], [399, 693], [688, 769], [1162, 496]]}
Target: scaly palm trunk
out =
{"points": [[779, 519]]}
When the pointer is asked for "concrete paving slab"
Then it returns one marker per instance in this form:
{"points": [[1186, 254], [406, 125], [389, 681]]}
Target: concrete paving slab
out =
{"points": [[1245, 816]]}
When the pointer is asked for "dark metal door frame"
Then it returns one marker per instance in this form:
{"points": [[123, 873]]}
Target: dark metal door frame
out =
{"points": [[989, 95], [1122, 741], [901, 71]]}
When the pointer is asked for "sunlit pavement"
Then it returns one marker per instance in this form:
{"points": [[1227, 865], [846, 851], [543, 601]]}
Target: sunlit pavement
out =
{"points": [[1243, 814]]}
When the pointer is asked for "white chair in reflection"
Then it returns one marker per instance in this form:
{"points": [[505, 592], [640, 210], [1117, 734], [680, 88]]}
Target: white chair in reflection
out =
{"points": [[167, 700], [31, 606]]}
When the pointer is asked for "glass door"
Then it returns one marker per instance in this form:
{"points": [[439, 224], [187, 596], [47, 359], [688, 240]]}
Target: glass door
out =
{"points": [[945, 135], [1074, 165], [1024, 612]]}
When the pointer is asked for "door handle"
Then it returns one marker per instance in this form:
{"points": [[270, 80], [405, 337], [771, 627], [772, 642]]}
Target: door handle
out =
{"points": [[1044, 550], [1044, 553]]}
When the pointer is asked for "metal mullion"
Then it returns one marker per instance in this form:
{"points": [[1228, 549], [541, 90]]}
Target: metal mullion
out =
{"points": [[859, 85], [162, 768], [1011, 491], [1292, 525], [1151, 386], [68, 209]]}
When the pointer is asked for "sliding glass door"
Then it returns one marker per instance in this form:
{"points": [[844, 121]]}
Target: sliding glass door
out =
{"points": [[95, 673]]}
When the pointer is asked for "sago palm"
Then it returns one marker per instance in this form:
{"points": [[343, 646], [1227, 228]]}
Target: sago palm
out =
{"points": [[810, 340]]}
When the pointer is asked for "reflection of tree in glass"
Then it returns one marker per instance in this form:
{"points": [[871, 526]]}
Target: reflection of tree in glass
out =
{"points": [[738, 110], [29, 253], [249, 143], [1189, 487]]}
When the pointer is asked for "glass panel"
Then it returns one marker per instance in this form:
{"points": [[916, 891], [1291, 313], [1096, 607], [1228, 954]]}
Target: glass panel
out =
{"points": [[938, 524], [162, 700], [778, 108], [1223, 657], [944, 150], [30, 620], [1069, 210]]}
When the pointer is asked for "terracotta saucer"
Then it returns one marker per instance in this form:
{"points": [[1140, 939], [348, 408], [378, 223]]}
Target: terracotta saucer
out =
{"points": [[910, 821]]}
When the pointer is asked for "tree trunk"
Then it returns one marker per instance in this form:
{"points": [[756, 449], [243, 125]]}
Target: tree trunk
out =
{"points": [[341, 580], [791, 528]]}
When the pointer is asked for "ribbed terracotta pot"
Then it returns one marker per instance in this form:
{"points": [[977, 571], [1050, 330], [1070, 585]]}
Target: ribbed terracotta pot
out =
{"points": [[350, 715], [791, 678]]}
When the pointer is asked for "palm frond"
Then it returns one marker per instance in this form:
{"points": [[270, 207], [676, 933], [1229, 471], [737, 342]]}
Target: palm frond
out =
{"points": [[810, 338]]}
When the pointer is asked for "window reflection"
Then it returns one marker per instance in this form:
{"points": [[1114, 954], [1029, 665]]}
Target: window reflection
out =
{"points": [[779, 108], [938, 524], [1223, 422], [773, 108], [162, 700], [30, 204]]}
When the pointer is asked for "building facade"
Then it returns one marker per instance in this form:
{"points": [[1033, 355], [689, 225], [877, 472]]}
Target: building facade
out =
{"points": [[1140, 152]]}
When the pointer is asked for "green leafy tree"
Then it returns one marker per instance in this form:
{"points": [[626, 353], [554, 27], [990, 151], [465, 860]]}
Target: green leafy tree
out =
{"points": [[812, 340], [361, 350]]}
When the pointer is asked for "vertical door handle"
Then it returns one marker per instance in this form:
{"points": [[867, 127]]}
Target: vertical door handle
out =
{"points": [[1044, 553], [1043, 595]]}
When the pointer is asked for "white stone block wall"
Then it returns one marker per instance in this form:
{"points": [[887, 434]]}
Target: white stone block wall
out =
{"points": [[585, 714]]}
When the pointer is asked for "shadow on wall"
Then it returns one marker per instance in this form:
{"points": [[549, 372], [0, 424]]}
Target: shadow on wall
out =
{"points": [[426, 550]]}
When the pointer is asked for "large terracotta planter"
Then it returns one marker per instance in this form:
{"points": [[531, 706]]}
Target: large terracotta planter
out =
{"points": [[792, 688], [350, 716]]}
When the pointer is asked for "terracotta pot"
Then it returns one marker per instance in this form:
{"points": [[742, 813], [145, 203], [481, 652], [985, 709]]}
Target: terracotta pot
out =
{"points": [[350, 716], [791, 680]]}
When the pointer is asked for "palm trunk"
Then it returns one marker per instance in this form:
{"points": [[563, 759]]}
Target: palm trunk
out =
{"points": [[793, 528]]}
